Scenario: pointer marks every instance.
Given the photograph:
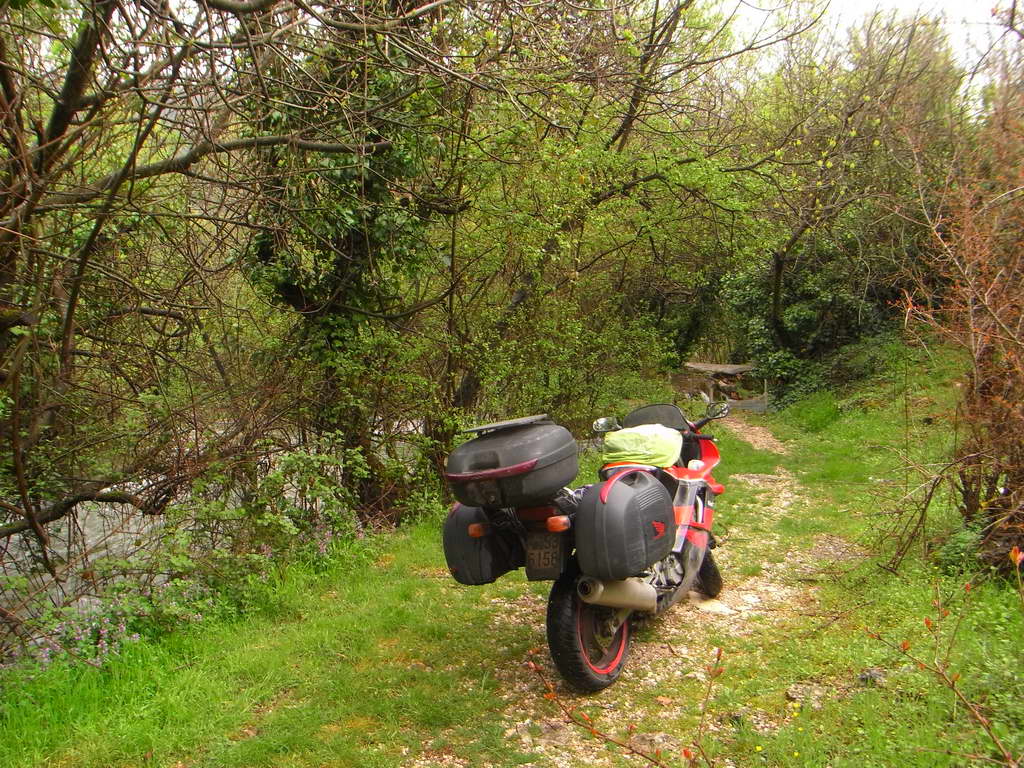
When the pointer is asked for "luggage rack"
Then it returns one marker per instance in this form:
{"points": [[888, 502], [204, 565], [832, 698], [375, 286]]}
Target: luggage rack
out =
{"points": [[540, 418]]}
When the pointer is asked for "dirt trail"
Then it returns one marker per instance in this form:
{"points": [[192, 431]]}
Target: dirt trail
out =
{"points": [[667, 665], [757, 436]]}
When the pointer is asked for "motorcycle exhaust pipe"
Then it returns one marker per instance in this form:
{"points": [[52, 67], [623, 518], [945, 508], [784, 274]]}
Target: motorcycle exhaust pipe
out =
{"points": [[632, 593]]}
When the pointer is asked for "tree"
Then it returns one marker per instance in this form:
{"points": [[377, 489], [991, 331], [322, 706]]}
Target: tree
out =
{"points": [[836, 115], [974, 212], [134, 143]]}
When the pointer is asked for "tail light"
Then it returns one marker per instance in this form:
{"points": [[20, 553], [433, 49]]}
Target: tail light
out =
{"points": [[531, 514]]}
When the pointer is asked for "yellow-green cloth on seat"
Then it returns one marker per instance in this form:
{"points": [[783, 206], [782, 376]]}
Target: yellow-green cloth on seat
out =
{"points": [[652, 444]]}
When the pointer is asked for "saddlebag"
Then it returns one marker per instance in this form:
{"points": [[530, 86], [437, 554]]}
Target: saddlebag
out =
{"points": [[478, 560], [519, 463], [624, 525]]}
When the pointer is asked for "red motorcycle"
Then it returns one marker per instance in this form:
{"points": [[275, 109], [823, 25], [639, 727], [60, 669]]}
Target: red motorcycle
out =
{"points": [[634, 543]]}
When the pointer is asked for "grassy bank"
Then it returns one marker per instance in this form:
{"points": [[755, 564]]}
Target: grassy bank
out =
{"points": [[867, 645], [382, 660], [356, 666]]}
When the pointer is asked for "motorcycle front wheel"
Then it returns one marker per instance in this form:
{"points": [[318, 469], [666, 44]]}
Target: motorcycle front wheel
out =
{"points": [[587, 651], [709, 578]]}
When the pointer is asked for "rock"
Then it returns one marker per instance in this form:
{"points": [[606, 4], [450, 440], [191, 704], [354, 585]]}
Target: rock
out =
{"points": [[810, 694], [653, 742], [714, 606], [554, 732], [872, 676], [737, 718]]}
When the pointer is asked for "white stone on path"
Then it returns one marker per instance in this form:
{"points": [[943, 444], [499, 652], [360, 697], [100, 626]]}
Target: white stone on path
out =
{"points": [[713, 606]]}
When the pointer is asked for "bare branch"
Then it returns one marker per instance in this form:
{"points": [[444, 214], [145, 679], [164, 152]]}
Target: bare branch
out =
{"points": [[378, 26], [64, 506], [182, 161]]}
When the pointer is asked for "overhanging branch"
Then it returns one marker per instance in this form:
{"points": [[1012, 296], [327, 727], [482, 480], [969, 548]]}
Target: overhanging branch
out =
{"points": [[64, 506], [182, 161]]}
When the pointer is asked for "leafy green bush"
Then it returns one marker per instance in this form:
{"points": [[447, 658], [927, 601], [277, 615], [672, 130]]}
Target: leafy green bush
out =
{"points": [[823, 308], [958, 553]]}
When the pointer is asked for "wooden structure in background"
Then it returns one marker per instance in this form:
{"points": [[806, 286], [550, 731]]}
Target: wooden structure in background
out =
{"points": [[718, 381]]}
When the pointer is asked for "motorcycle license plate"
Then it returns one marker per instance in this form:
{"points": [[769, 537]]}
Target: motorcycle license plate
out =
{"points": [[545, 555]]}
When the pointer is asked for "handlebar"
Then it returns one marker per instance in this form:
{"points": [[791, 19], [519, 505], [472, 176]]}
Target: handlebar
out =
{"points": [[687, 433], [701, 422]]}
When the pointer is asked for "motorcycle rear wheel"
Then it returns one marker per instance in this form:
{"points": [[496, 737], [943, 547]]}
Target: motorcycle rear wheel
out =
{"points": [[587, 653]]}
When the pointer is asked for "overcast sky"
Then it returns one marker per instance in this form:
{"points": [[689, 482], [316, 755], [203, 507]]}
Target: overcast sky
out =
{"points": [[969, 22]]}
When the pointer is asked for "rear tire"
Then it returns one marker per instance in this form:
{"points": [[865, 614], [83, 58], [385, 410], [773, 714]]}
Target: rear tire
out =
{"points": [[709, 578], [586, 653]]}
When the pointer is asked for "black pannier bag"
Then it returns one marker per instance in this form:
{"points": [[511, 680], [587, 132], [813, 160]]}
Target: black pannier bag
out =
{"points": [[478, 560], [624, 525], [518, 463]]}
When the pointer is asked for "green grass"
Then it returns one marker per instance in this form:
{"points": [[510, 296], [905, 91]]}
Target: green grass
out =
{"points": [[353, 667], [851, 454], [382, 660], [908, 719]]}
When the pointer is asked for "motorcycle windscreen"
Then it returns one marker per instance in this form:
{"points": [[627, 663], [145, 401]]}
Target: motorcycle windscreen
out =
{"points": [[624, 525], [651, 444], [659, 413]]}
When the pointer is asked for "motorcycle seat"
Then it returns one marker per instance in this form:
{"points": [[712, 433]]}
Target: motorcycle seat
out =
{"points": [[667, 480], [617, 466]]}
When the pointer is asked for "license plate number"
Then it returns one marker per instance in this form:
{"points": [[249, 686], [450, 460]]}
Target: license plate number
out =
{"points": [[544, 554]]}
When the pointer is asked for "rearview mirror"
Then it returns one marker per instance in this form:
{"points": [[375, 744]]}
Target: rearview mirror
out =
{"points": [[717, 410], [607, 424]]}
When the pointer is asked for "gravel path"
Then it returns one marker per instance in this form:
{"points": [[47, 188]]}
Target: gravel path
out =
{"points": [[654, 706], [663, 681], [757, 436]]}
